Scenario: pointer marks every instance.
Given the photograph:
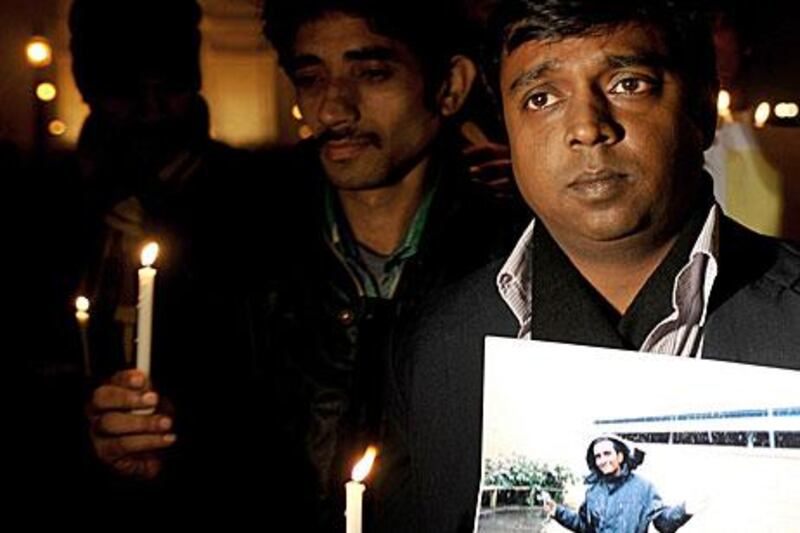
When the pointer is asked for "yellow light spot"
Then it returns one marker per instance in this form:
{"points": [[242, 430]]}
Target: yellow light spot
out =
{"points": [[786, 110], [46, 91], [57, 128], [296, 113], [82, 303], [305, 132], [723, 101], [362, 468], [149, 254], [39, 52], [762, 114]]}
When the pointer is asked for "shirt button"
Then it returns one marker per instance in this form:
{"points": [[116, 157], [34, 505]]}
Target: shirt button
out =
{"points": [[505, 279], [346, 317]]}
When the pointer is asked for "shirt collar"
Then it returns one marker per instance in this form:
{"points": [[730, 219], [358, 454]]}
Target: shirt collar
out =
{"points": [[692, 284], [338, 232]]}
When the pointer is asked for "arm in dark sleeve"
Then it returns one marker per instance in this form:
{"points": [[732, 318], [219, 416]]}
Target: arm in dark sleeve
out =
{"points": [[667, 519], [572, 520]]}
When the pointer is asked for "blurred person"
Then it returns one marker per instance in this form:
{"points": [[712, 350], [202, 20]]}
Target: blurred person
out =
{"points": [[746, 184], [145, 168]]}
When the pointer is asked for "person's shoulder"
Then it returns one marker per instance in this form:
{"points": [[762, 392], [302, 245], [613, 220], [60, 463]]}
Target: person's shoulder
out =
{"points": [[770, 263], [470, 294], [639, 481], [754, 313]]}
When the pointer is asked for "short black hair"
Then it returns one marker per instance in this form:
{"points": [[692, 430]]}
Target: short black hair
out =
{"points": [[434, 30], [683, 23]]}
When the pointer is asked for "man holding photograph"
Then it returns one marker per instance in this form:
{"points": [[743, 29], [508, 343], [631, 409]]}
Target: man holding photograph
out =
{"points": [[608, 107]]}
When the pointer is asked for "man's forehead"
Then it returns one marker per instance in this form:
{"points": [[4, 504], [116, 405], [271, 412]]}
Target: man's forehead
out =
{"points": [[603, 446], [347, 35], [612, 47]]}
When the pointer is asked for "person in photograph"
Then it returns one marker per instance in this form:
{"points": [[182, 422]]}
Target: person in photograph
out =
{"points": [[617, 499]]}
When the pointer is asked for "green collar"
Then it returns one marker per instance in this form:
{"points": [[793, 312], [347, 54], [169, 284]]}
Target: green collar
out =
{"points": [[339, 234]]}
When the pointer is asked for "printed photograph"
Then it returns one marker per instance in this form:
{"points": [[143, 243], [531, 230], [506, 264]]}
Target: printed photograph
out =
{"points": [[589, 439]]}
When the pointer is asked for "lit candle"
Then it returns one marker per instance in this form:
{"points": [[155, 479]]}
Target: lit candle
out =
{"points": [[761, 114], [724, 106], [355, 490], [82, 315], [144, 309]]}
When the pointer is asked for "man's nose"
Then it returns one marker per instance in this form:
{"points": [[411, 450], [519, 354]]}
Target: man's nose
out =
{"points": [[590, 121], [151, 104], [339, 104]]}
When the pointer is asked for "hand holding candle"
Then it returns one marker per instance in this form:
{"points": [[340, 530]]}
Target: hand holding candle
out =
{"points": [[355, 490], [144, 309]]}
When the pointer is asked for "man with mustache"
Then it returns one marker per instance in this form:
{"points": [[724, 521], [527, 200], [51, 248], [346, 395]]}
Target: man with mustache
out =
{"points": [[608, 108], [378, 211], [397, 216]]}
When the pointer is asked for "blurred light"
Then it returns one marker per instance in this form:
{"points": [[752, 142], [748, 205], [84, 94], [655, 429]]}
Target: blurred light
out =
{"points": [[723, 101], [762, 114], [296, 112], [305, 132], [786, 110], [57, 128], [39, 52], [82, 303], [46, 91], [724, 106]]}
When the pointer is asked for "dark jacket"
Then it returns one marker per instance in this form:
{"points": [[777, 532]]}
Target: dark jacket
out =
{"points": [[437, 378], [311, 321], [625, 504]]}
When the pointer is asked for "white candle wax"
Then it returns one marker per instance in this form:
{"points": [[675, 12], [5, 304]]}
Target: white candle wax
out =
{"points": [[144, 318], [355, 492]]}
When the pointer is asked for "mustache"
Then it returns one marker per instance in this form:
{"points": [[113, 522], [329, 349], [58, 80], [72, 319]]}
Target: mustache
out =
{"points": [[598, 167], [330, 135]]}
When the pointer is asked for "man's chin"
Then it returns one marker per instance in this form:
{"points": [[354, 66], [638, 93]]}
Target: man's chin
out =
{"points": [[355, 175]]}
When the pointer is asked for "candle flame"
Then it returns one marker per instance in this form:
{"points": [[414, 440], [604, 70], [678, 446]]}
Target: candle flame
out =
{"points": [[296, 113], [762, 114], [723, 102], [149, 254], [362, 468], [82, 303]]}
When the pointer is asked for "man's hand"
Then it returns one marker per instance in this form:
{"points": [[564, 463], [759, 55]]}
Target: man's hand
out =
{"points": [[126, 441], [488, 162], [548, 504]]}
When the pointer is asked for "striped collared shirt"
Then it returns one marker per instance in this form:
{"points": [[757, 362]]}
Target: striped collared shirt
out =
{"points": [[680, 333]]}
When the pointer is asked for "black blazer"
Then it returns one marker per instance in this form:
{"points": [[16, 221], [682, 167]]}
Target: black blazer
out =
{"points": [[432, 452]]}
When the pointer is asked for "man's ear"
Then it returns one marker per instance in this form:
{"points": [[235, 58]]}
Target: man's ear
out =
{"points": [[456, 86]]}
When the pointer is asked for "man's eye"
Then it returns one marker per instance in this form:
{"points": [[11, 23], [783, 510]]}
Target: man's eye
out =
{"points": [[374, 74], [305, 81], [540, 100], [632, 86]]}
